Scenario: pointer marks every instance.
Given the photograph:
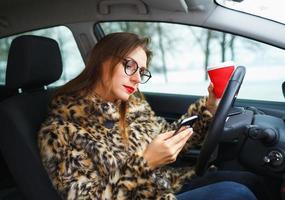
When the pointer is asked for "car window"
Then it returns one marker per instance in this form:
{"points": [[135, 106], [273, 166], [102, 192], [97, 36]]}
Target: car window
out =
{"points": [[71, 58], [182, 53], [266, 8]]}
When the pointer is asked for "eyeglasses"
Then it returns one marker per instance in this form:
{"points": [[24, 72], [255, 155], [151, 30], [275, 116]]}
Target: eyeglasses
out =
{"points": [[131, 67]]}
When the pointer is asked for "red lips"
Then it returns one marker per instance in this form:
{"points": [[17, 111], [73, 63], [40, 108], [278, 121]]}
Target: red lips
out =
{"points": [[129, 89]]}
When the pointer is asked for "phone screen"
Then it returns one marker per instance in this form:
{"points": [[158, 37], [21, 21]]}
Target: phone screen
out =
{"points": [[185, 122]]}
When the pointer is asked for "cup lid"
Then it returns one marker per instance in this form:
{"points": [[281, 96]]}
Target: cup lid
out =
{"points": [[221, 65]]}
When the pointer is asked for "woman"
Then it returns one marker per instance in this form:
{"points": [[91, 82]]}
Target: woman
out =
{"points": [[100, 141]]}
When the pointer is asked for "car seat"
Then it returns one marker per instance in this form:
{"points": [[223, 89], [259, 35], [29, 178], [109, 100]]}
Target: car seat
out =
{"points": [[33, 63], [6, 92]]}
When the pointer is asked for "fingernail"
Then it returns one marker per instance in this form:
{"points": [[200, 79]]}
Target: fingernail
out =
{"points": [[191, 130]]}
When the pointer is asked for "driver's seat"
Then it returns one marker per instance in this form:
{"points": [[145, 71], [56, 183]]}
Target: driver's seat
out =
{"points": [[33, 63]]}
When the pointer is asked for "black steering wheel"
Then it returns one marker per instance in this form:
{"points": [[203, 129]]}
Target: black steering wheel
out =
{"points": [[217, 125]]}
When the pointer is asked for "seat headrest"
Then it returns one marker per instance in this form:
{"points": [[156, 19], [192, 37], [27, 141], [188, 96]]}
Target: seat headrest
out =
{"points": [[33, 62]]}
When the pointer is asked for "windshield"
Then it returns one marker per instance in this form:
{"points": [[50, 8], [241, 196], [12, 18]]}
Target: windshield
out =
{"points": [[272, 10]]}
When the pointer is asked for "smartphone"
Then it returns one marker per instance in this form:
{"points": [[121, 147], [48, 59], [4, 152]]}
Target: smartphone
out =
{"points": [[185, 122]]}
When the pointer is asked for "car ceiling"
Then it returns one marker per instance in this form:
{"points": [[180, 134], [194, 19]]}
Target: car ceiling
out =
{"points": [[22, 15]]}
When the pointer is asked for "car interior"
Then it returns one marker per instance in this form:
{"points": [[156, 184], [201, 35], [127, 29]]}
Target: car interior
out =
{"points": [[245, 135]]}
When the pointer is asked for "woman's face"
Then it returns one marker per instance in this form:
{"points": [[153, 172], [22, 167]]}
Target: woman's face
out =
{"points": [[122, 85]]}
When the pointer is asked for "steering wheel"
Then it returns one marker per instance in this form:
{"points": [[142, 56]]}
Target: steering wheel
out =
{"points": [[217, 125]]}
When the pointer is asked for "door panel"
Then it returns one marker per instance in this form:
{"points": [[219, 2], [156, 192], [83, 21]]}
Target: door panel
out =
{"points": [[171, 106]]}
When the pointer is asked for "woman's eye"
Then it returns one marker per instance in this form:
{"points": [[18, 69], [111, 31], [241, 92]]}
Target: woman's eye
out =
{"points": [[129, 67]]}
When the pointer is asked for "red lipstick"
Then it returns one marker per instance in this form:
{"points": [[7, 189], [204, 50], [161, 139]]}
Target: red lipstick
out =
{"points": [[129, 89]]}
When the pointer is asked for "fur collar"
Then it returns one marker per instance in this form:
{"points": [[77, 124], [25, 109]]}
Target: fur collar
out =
{"points": [[77, 108]]}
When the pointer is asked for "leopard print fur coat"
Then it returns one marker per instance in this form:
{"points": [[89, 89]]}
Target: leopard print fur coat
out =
{"points": [[86, 158]]}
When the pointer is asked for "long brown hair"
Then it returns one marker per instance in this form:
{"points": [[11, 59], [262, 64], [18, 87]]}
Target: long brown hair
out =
{"points": [[114, 47]]}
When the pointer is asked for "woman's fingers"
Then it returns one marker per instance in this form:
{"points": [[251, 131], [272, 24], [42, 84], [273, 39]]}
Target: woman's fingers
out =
{"points": [[212, 101], [165, 136], [186, 131], [165, 147], [178, 146], [210, 87], [212, 96]]}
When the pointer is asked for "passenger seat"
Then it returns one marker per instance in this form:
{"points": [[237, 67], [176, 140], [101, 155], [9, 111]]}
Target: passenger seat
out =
{"points": [[33, 63]]}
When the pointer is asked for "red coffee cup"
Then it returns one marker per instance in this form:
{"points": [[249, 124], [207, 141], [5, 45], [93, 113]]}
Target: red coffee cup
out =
{"points": [[220, 75]]}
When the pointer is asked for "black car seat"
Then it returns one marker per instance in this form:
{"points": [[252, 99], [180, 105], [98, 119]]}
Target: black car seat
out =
{"points": [[6, 92], [33, 63]]}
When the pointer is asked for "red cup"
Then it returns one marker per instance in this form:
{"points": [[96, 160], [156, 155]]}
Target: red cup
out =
{"points": [[220, 75]]}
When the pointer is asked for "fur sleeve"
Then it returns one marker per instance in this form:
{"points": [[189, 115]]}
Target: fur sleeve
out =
{"points": [[200, 127], [80, 168]]}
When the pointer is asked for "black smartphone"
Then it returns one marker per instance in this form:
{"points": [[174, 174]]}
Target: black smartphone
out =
{"points": [[185, 122]]}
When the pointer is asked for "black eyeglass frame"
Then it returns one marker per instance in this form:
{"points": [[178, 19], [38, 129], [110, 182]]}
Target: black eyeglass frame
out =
{"points": [[147, 74]]}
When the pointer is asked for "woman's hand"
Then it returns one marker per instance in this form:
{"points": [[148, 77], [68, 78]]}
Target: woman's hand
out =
{"points": [[165, 147], [212, 101]]}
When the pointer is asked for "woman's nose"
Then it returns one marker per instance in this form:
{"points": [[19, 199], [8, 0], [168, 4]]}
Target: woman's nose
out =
{"points": [[136, 77]]}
